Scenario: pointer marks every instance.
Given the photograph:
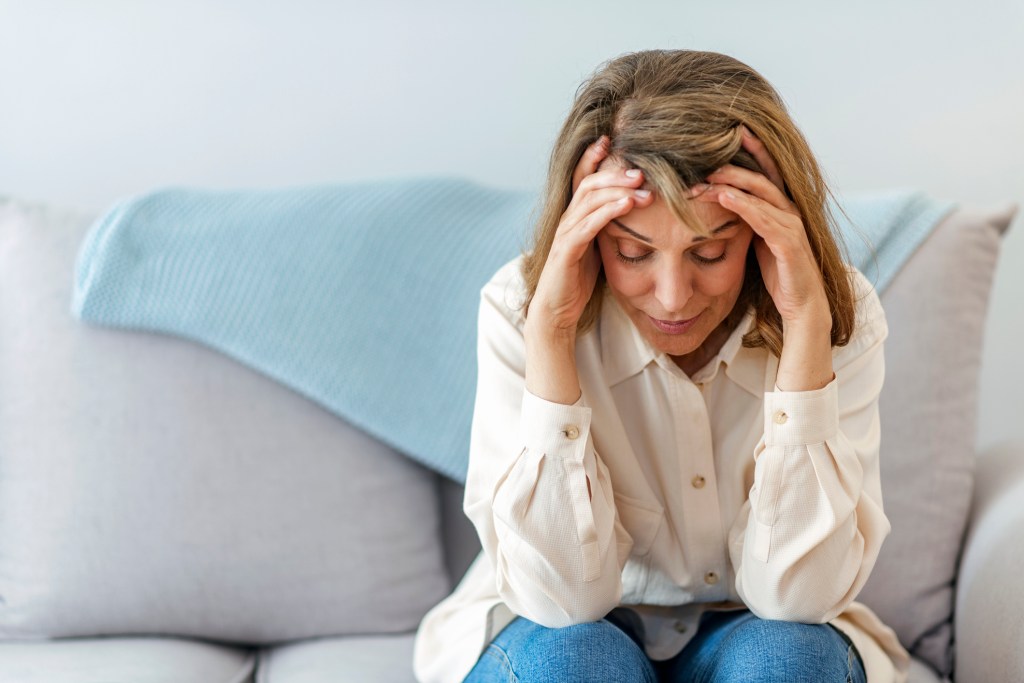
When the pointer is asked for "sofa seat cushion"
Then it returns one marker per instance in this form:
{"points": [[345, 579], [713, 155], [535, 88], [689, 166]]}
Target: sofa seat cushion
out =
{"points": [[381, 659], [124, 660]]}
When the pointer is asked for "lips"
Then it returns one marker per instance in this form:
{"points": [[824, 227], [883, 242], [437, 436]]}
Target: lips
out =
{"points": [[674, 326]]}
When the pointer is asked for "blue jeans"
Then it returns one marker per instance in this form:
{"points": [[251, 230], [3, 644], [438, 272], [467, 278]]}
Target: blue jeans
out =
{"points": [[729, 646]]}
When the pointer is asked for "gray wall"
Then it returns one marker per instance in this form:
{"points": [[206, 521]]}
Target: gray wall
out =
{"points": [[106, 98]]}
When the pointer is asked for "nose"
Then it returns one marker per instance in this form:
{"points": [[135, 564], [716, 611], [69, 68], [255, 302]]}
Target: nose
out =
{"points": [[673, 289]]}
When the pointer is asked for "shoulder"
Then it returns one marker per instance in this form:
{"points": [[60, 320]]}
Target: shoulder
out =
{"points": [[870, 327], [505, 292]]}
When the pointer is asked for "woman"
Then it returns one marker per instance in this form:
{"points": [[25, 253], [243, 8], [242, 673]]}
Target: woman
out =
{"points": [[674, 455]]}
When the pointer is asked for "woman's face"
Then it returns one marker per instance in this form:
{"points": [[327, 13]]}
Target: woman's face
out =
{"points": [[676, 286]]}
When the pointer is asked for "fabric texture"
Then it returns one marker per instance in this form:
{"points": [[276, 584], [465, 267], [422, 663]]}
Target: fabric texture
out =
{"points": [[150, 485], [785, 520], [266, 277]]}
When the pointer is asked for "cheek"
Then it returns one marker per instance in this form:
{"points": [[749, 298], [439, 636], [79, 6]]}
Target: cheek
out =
{"points": [[724, 280], [627, 280]]}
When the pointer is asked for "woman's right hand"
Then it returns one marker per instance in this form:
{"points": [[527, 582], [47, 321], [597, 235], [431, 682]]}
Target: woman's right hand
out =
{"points": [[570, 272]]}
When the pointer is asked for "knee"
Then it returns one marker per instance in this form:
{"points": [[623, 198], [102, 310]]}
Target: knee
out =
{"points": [[592, 651], [767, 651]]}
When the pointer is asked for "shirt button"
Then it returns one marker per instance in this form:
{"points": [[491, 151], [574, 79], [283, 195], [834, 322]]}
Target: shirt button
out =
{"points": [[711, 578], [679, 626], [698, 482], [572, 431], [781, 417]]}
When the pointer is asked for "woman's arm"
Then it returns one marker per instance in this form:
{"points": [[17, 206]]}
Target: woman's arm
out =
{"points": [[556, 552], [806, 540]]}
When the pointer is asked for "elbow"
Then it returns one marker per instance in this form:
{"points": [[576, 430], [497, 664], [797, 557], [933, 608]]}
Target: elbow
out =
{"points": [[550, 615], [562, 607], [798, 599], [805, 613], [801, 597]]}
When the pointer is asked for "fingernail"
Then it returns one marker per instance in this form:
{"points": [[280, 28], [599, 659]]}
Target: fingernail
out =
{"points": [[700, 187], [633, 173], [643, 194]]}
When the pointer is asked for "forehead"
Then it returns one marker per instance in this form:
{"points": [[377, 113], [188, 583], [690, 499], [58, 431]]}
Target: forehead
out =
{"points": [[656, 220]]}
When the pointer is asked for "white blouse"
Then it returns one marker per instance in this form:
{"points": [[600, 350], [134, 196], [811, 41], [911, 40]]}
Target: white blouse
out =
{"points": [[718, 491]]}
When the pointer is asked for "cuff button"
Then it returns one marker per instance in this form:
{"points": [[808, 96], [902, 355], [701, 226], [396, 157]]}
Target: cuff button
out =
{"points": [[780, 417], [572, 432]]}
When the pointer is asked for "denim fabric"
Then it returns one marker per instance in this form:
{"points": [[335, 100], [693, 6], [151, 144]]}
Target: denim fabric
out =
{"points": [[728, 647]]}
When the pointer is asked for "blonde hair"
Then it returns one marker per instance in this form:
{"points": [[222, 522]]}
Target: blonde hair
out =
{"points": [[675, 115]]}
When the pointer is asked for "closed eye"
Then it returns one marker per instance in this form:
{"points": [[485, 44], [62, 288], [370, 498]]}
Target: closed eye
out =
{"points": [[632, 259], [702, 260]]}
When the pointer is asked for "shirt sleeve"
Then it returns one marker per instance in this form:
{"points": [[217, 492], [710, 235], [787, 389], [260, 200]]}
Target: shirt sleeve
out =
{"points": [[808, 536], [557, 553]]}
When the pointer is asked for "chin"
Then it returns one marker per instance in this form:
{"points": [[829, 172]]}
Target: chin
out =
{"points": [[675, 346]]}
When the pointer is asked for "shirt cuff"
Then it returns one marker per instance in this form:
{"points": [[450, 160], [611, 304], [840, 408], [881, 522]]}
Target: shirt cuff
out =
{"points": [[555, 429], [796, 418]]}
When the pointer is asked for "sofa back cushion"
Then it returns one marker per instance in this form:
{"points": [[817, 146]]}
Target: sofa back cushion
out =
{"points": [[150, 485], [936, 307]]}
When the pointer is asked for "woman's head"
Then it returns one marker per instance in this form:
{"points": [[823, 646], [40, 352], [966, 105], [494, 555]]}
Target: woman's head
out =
{"points": [[676, 116]]}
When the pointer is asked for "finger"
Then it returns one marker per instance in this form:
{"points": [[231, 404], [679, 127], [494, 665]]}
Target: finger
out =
{"points": [[590, 160], [610, 177], [583, 232], [783, 231], [588, 202], [752, 144], [598, 219], [754, 183]]}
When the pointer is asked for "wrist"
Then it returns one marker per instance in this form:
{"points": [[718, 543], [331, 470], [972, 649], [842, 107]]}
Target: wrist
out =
{"points": [[806, 360], [539, 332], [815, 322]]}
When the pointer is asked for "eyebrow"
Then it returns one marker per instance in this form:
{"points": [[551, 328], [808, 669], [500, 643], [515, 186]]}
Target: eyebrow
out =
{"points": [[698, 238]]}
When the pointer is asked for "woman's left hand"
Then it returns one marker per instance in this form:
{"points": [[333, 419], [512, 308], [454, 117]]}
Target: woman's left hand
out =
{"points": [[790, 272]]}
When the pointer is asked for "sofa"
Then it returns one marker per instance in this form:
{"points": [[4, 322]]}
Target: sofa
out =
{"points": [[169, 513]]}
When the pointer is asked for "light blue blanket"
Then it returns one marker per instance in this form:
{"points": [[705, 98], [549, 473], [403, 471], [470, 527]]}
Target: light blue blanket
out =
{"points": [[362, 297]]}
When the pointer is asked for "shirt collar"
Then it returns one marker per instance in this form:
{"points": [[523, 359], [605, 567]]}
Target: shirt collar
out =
{"points": [[625, 352]]}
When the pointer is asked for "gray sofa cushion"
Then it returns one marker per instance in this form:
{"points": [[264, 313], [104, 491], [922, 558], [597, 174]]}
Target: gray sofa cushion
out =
{"points": [[936, 309], [380, 659], [150, 485], [125, 660]]}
